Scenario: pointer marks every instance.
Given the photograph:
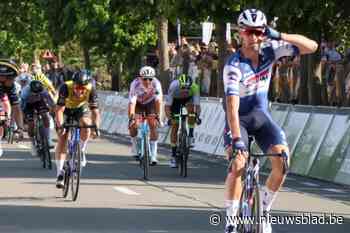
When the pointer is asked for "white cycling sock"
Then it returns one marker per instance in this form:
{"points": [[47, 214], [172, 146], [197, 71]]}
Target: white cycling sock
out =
{"points": [[267, 196], [134, 145], [83, 145], [59, 166], [153, 148], [231, 210]]}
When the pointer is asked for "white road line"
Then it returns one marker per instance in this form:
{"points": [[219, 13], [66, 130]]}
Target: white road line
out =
{"points": [[334, 190], [157, 231], [310, 184], [23, 146], [125, 190]]}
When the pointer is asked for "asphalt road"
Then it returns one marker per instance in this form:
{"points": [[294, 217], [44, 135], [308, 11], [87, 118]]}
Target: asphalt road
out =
{"points": [[114, 198]]}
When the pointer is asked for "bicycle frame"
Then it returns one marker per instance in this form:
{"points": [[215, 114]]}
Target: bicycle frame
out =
{"points": [[143, 134]]}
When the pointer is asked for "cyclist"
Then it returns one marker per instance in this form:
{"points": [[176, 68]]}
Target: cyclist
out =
{"points": [[145, 96], [5, 113], [247, 75], [78, 100], [23, 80], [8, 73], [35, 97], [182, 92], [40, 76]]}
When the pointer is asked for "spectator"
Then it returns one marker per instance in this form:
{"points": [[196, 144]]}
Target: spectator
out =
{"points": [[330, 59], [56, 75], [294, 79], [206, 65], [282, 73]]}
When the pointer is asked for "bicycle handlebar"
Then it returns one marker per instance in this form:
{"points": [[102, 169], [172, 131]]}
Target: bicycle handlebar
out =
{"points": [[68, 126], [283, 154]]}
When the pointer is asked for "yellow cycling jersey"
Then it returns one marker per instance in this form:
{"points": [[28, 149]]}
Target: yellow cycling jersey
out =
{"points": [[69, 100]]}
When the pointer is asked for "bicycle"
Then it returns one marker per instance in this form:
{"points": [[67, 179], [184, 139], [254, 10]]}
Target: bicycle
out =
{"points": [[250, 204], [72, 169], [183, 148], [10, 132], [143, 145], [41, 142]]}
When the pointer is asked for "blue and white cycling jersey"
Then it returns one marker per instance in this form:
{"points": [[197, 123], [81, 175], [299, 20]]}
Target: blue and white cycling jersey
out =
{"points": [[250, 84]]}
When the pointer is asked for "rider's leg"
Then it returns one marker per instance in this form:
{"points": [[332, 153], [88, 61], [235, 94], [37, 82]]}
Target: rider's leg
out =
{"points": [[153, 108], [233, 180], [173, 134], [46, 121], [275, 179], [191, 122], [60, 157]]}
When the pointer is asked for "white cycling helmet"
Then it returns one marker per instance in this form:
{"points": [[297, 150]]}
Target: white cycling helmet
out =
{"points": [[252, 18], [147, 71]]}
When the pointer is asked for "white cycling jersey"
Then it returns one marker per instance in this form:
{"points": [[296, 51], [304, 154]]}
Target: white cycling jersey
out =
{"points": [[140, 94]]}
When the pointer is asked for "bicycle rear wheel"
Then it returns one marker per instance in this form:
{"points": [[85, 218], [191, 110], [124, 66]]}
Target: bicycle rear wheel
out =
{"points": [[145, 158], [75, 172], [250, 211]]}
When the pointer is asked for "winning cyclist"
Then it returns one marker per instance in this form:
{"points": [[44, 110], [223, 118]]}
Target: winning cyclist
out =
{"points": [[145, 96], [77, 99], [247, 75], [182, 92]]}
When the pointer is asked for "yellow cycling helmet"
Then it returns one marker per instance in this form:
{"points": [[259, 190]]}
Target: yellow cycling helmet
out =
{"points": [[185, 81]]}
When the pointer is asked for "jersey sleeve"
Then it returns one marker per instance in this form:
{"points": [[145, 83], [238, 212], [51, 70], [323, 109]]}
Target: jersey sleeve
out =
{"points": [[232, 76], [159, 92], [196, 94], [132, 93], [93, 99], [62, 95], [12, 95], [284, 49], [172, 88]]}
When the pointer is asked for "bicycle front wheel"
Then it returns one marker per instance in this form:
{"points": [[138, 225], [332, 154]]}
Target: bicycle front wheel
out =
{"points": [[75, 171], [183, 153], [145, 158], [45, 151], [250, 211]]}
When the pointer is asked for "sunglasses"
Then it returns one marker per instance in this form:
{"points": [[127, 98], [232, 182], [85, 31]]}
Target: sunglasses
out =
{"points": [[80, 88], [147, 79], [251, 31]]}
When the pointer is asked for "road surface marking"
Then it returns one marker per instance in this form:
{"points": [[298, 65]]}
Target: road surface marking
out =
{"points": [[125, 190], [23, 146]]}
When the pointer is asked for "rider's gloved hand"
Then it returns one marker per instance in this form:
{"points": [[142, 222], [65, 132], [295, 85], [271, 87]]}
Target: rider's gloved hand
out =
{"points": [[272, 33], [131, 120], [238, 145]]}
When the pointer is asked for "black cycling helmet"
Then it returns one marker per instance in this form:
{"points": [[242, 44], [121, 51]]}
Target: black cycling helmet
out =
{"points": [[82, 77], [8, 68], [36, 86]]}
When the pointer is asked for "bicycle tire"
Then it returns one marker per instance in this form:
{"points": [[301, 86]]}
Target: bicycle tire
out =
{"points": [[182, 155], [75, 172], [145, 158], [9, 135], [250, 209], [45, 150], [66, 178]]}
